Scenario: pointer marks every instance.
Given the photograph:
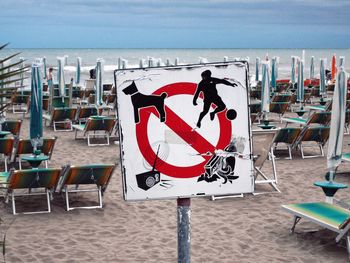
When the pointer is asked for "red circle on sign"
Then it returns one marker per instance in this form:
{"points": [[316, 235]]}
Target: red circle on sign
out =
{"points": [[180, 88]]}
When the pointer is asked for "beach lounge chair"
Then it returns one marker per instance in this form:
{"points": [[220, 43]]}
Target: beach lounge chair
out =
{"points": [[84, 112], [97, 126], [287, 136], [317, 134], [262, 151], [279, 108], [13, 126], [286, 97], [6, 148], [322, 118], [31, 179], [20, 103], [61, 117], [73, 177], [326, 215], [24, 147]]}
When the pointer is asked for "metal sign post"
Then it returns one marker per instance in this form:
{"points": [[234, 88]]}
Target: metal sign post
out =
{"points": [[184, 230]]}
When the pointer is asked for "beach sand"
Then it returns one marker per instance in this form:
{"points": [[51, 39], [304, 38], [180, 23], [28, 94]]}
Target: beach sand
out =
{"points": [[249, 229]]}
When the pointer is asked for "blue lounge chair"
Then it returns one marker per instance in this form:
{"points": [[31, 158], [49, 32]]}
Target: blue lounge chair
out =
{"points": [[329, 216]]}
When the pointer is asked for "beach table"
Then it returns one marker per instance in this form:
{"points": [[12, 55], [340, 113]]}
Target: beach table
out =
{"points": [[35, 160]]}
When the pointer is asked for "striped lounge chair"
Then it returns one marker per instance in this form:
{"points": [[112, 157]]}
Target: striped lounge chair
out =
{"points": [[96, 126], [287, 136], [73, 177], [318, 134], [317, 117], [61, 116], [24, 146], [85, 112], [13, 126], [6, 148], [20, 103], [279, 108], [31, 179], [326, 215]]}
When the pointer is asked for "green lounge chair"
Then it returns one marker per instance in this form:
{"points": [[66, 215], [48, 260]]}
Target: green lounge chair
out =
{"points": [[279, 108], [31, 179], [97, 175], [13, 126], [97, 126], [287, 136], [24, 147], [322, 118], [84, 112], [6, 148], [318, 134], [329, 216], [61, 116], [20, 103]]}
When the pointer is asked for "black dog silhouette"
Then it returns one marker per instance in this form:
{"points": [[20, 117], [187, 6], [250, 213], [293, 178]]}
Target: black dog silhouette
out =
{"points": [[140, 101]]}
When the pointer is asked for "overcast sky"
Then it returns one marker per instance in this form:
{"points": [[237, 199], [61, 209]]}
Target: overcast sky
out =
{"points": [[175, 23]]}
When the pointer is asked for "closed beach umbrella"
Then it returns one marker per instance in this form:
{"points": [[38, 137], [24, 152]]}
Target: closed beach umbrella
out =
{"points": [[265, 89], [322, 77], [273, 73], [45, 68], [334, 67], [292, 79], [337, 123], [341, 62], [257, 65], [21, 66], [99, 88], [77, 78], [312, 69], [300, 90], [36, 124], [60, 77]]}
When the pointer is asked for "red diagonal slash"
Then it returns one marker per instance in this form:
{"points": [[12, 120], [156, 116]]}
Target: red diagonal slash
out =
{"points": [[183, 130]]}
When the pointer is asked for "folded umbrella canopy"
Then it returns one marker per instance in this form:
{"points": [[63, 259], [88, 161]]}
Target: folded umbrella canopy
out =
{"points": [[292, 79], [60, 77], [322, 76], [274, 73], [77, 78], [312, 69], [334, 67], [99, 86], [45, 68], [265, 90], [337, 123], [36, 124], [257, 65], [300, 90]]}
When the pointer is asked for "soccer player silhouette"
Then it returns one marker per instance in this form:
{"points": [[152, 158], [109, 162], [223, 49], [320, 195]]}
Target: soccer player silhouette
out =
{"points": [[208, 87]]}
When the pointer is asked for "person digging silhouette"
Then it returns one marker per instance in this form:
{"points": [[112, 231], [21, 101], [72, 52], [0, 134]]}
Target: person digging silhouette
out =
{"points": [[208, 86]]}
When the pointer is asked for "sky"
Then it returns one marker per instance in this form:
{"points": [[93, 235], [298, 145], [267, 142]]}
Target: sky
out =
{"points": [[175, 23]]}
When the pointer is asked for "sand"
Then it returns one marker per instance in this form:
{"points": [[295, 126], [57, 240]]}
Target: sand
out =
{"points": [[249, 229]]}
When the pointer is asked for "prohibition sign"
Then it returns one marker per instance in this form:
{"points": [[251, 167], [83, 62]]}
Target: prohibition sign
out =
{"points": [[182, 129]]}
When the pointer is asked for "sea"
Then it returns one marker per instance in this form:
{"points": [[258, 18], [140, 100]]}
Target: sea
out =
{"points": [[132, 58]]}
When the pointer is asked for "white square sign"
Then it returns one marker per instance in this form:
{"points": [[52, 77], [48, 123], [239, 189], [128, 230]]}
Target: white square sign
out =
{"points": [[184, 131]]}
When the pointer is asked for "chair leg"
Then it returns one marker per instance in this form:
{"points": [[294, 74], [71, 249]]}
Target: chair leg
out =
{"points": [[296, 221], [321, 149], [302, 151], [67, 198], [48, 200], [20, 163], [13, 203], [290, 151]]}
